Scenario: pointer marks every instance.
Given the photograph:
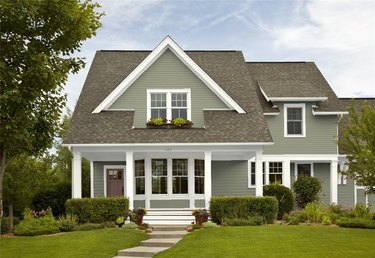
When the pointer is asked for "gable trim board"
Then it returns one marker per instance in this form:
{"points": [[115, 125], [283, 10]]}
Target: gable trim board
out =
{"points": [[167, 43], [291, 98]]}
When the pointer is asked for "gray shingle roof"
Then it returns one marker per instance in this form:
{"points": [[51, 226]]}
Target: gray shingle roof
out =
{"points": [[294, 79], [109, 68]]}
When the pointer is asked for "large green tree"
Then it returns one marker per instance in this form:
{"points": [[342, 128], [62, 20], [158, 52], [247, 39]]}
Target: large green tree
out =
{"points": [[358, 142], [37, 39]]}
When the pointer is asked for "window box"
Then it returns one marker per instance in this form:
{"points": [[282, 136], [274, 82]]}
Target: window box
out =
{"points": [[153, 123]]}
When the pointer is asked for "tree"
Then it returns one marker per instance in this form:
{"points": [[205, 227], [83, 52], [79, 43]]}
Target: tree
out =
{"points": [[306, 189], [37, 39], [358, 142]]}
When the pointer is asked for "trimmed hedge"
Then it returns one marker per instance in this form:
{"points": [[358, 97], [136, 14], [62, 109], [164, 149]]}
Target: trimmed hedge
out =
{"points": [[97, 210], [243, 207], [283, 195], [356, 223]]}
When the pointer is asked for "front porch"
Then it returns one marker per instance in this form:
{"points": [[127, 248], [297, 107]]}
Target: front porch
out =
{"points": [[162, 176]]}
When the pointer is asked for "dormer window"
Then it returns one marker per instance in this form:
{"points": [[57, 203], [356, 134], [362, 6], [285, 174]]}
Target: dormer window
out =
{"points": [[168, 103], [294, 120]]}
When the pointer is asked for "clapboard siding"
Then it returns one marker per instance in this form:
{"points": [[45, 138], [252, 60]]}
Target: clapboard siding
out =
{"points": [[320, 135], [168, 72], [230, 178], [322, 172], [99, 177], [346, 194]]}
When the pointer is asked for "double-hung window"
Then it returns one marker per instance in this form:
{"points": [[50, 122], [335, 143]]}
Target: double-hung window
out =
{"points": [[275, 173], [294, 120], [159, 176], [180, 176], [199, 176], [139, 175], [168, 104]]}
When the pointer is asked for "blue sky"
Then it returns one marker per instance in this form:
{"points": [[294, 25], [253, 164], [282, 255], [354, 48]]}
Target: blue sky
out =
{"points": [[339, 36]]}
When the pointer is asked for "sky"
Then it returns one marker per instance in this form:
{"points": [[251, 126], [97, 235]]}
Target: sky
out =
{"points": [[338, 35]]}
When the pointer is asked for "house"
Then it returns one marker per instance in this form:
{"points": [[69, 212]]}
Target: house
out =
{"points": [[254, 123]]}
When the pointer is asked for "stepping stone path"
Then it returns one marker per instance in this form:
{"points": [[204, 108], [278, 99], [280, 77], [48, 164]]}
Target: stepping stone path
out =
{"points": [[162, 238]]}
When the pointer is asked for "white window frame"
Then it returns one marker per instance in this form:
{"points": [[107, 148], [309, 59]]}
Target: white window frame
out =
{"points": [[302, 163], [169, 93], [298, 105], [268, 171], [135, 177]]}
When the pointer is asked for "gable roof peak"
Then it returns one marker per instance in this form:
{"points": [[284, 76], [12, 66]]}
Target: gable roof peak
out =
{"points": [[167, 43]]}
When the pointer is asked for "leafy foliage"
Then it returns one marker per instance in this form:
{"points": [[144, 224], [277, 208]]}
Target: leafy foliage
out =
{"points": [[356, 223], [97, 210], [358, 142], [250, 221], [283, 195], [67, 223], [226, 207], [306, 190]]}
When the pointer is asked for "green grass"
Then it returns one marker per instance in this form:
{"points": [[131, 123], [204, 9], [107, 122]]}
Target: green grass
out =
{"points": [[97, 243], [276, 241]]}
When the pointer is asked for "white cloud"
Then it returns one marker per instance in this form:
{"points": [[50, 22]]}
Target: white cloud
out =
{"points": [[341, 36]]}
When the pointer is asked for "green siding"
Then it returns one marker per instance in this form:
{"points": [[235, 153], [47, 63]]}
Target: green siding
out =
{"points": [[320, 135], [230, 178], [322, 172], [361, 197], [200, 203], [346, 194], [98, 176], [139, 203], [371, 200], [170, 204], [168, 72]]}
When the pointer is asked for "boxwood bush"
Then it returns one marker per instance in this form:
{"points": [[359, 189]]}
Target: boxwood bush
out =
{"points": [[306, 190], [283, 195], [243, 207], [97, 210]]}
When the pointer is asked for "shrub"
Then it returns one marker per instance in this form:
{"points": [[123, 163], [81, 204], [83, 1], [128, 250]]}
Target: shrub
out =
{"points": [[356, 223], [34, 227], [97, 210], [362, 212], [306, 190], [210, 224], [236, 207], [67, 223], [251, 221], [314, 211], [108, 224], [283, 195], [54, 199], [4, 224], [295, 217], [89, 227], [130, 225]]}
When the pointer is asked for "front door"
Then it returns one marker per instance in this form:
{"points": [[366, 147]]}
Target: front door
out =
{"points": [[115, 182]]}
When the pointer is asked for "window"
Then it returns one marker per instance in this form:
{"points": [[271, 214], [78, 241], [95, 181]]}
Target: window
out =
{"points": [[275, 172], [159, 176], [199, 176], [304, 169], [168, 104], [294, 120], [139, 169], [180, 176], [159, 105], [252, 177], [341, 179]]}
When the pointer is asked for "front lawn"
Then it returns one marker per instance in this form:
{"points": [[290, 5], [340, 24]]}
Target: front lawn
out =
{"points": [[276, 241], [97, 243]]}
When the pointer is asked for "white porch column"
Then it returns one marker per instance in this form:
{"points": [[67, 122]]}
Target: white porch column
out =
{"points": [[76, 175], [258, 174], [207, 177], [333, 181], [286, 173], [91, 179], [129, 187]]}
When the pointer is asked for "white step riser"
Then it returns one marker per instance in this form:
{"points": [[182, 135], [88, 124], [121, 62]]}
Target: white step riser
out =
{"points": [[171, 217]]}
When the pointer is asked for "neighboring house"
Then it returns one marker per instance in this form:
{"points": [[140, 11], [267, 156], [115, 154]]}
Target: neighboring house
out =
{"points": [[254, 123]]}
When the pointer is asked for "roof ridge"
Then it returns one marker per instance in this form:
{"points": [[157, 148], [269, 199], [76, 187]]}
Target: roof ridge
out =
{"points": [[276, 62], [145, 50]]}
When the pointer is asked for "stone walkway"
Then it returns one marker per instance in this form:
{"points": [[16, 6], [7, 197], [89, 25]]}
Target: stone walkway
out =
{"points": [[162, 238]]}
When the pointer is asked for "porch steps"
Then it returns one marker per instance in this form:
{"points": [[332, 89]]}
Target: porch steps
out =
{"points": [[161, 239], [168, 217]]}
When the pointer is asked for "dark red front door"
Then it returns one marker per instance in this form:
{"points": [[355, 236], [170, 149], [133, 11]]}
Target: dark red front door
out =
{"points": [[115, 182]]}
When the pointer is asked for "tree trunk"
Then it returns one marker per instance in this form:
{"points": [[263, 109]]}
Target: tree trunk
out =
{"points": [[2, 170], [10, 216]]}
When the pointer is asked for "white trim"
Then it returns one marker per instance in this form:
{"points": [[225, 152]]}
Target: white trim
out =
{"points": [[165, 144], [299, 105], [216, 109], [249, 171], [328, 113], [120, 109], [169, 93], [129, 181], [105, 167], [271, 114], [77, 174], [258, 173], [297, 99], [264, 93], [167, 43], [333, 182], [91, 179]]}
